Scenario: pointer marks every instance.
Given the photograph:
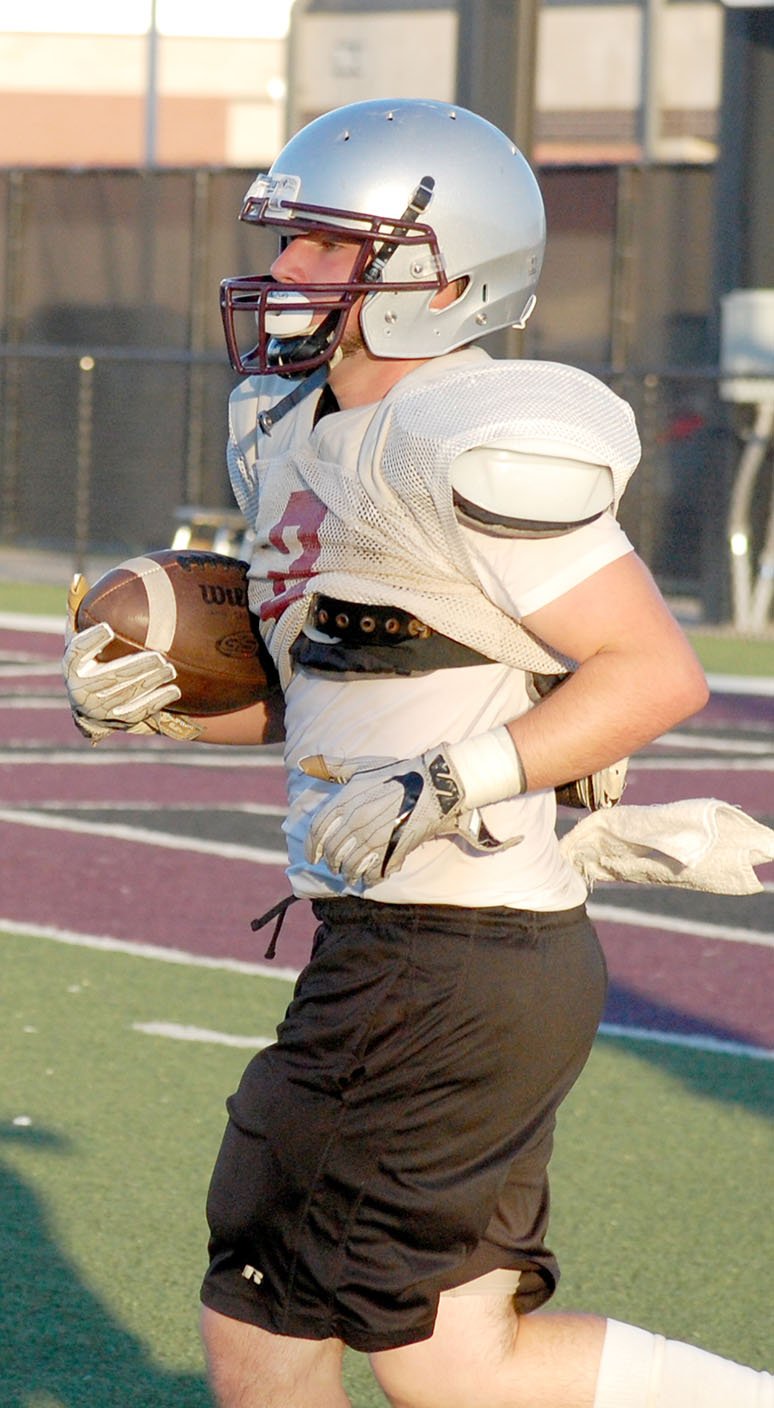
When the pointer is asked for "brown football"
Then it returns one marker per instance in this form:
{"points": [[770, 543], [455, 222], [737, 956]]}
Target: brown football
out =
{"points": [[191, 606]]}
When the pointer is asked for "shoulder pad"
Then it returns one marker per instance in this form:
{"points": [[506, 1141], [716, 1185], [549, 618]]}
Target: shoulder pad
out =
{"points": [[532, 489], [576, 434]]}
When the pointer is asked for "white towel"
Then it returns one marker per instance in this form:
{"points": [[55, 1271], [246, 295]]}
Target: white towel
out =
{"points": [[699, 844]]}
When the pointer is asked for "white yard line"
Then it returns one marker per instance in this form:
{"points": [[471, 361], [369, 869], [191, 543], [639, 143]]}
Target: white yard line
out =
{"points": [[245, 808], [713, 744], [645, 919], [33, 701], [741, 684], [760, 753], [21, 670], [103, 943], [21, 621], [187, 757], [226, 850], [711, 1044], [176, 1032], [750, 760]]}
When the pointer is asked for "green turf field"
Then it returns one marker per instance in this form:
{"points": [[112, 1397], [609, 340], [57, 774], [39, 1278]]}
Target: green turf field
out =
{"points": [[661, 1187], [41, 599]]}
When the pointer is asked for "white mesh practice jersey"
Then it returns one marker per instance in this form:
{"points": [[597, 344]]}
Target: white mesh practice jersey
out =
{"points": [[360, 507]]}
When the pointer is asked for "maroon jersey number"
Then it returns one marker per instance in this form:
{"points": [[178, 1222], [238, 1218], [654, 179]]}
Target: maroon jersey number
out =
{"points": [[296, 536]]}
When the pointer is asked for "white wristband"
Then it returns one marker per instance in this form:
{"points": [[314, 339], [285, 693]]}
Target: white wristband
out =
{"points": [[488, 766]]}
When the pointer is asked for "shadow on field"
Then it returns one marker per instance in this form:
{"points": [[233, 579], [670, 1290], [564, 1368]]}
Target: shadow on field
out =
{"points": [[736, 1079], [60, 1342]]}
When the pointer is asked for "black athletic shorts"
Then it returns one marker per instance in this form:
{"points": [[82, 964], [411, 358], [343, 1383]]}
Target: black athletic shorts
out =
{"points": [[394, 1141]]}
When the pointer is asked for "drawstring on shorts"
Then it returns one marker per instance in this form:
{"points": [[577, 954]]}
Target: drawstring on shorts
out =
{"points": [[278, 912]]}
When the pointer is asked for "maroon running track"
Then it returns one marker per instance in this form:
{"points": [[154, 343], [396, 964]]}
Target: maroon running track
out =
{"points": [[174, 846]]}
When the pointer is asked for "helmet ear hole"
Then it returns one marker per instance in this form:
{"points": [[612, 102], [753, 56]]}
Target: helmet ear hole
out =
{"points": [[451, 294]]}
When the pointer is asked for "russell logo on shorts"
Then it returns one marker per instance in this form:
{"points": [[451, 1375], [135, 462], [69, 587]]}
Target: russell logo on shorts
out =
{"points": [[250, 1274]]}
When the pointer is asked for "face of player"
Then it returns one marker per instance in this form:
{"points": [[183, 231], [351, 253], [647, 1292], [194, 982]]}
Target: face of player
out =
{"points": [[315, 258], [318, 259]]}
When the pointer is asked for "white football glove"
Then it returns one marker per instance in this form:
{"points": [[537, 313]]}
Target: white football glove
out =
{"points": [[598, 791], [129, 694], [386, 809]]}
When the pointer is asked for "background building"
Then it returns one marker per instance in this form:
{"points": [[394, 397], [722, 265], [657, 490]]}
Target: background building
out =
{"points": [[69, 98]]}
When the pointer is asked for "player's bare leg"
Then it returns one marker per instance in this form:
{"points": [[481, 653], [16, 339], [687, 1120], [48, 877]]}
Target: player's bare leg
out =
{"points": [[250, 1368], [482, 1356]]}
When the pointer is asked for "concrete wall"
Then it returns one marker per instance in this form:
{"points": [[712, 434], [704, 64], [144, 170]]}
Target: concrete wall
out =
{"points": [[72, 99]]}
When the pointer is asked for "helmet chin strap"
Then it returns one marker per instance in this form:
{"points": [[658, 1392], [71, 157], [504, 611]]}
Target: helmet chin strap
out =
{"points": [[283, 352], [417, 205], [312, 380]]}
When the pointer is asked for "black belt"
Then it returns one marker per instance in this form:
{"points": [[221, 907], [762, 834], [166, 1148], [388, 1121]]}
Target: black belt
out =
{"points": [[354, 624], [375, 640]]}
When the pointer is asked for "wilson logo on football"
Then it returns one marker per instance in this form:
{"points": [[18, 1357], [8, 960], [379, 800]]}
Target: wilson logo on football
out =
{"points": [[213, 594], [193, 609]]}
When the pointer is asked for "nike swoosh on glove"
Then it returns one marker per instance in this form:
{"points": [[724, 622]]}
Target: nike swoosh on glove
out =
{"points": [[382, 813], [386, 809]]}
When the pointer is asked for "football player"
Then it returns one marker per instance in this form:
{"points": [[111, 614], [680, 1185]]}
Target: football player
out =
{"points": [[461, 627]]}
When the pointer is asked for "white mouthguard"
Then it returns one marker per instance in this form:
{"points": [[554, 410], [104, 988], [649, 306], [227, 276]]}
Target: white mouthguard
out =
{"points": [[279, 323]]}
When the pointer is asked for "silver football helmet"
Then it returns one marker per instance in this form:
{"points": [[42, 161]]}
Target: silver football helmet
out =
{"points": [[432, 195]]}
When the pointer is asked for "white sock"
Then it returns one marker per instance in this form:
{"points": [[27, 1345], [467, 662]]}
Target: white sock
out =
{"points": [[640, 1370]]}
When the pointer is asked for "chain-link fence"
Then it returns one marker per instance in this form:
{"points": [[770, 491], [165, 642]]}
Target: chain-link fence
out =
{"points": [[114, 381]]}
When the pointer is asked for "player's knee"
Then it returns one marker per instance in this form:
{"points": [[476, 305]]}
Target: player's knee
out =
{"points": [[248, 1365], [472, 1346], [404, 1379], [228, 1352]]}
